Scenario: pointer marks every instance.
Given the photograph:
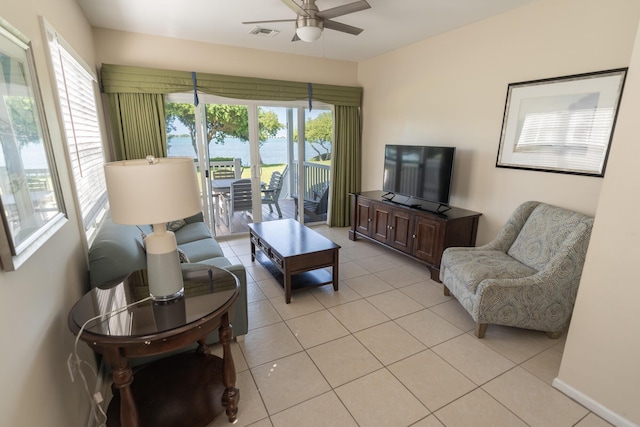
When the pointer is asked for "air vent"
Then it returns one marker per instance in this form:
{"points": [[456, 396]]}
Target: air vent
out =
{"points": [[267, 32]]}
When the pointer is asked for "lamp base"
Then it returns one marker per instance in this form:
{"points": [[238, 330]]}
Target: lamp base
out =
{"points": [[164, 298], [165, 276]]}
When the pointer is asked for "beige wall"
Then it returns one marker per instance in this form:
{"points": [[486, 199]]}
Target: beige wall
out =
{"points": [[451, 89], [35, 299], [117, 47], [601, 356]]}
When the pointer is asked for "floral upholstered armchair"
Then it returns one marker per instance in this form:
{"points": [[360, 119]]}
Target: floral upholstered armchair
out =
{"points": [[528, 276]]}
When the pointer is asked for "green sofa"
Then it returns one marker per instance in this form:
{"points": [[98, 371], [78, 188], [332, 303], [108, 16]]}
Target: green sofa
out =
{"points": [[119, 250]]}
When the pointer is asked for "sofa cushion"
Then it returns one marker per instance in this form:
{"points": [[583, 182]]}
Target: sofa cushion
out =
{"points": [[192, 232], [543, 234], [202, 249], [472, 267]]}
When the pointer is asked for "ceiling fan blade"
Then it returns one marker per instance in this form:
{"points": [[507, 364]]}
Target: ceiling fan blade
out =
{"points": [[265, 22], [333, 25], [343, 10], [295, 7], [295, 38]]}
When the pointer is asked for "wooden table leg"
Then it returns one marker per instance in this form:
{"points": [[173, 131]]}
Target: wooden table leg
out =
{"points": [[231, 395], [122, 379], [287, 284], [336, 278]]}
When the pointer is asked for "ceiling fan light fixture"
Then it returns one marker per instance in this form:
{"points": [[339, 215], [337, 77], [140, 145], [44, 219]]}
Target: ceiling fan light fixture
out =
{"points": [[309, 33], [308, 29]]}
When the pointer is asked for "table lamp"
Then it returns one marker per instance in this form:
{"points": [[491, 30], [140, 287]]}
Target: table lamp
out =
{"points": [[155, 191]]}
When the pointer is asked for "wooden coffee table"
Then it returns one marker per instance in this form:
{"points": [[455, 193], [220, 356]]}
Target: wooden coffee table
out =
{"points": [[296, 255]]}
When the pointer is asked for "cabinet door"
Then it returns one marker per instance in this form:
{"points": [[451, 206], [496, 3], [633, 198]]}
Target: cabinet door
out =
{"points": [[401, 231], [363, 217], [427, 240], [381, 221]]}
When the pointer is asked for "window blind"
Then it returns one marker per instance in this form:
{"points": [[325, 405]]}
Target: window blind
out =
{"points": [[77, 96]]}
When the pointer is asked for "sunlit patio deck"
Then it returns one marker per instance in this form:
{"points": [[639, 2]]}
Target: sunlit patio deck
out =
{"points": [[240, 220]]}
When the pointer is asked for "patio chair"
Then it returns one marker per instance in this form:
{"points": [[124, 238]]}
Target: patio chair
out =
{"points": [[238, 199], [226, 169], [223, 173], [271, 193], [316, 207]]}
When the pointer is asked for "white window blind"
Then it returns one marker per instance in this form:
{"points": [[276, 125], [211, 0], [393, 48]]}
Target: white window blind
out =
{"points": [[76, 91]]}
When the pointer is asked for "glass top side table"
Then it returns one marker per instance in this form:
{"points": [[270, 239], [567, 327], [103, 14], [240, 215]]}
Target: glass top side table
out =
{"points": [[189, 388]]}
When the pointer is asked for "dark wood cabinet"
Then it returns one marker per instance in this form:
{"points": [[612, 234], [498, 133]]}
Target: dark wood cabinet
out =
{"points": [[418, 233], [401, 232], [361, 216], [381, 222]]}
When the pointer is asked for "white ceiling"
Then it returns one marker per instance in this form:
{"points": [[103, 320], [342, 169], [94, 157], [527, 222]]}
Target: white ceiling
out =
{"points": [[388, 25]]}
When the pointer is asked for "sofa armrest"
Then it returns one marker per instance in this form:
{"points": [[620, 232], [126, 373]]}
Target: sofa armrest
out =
{"points": [[240, 319], [116, 251]]}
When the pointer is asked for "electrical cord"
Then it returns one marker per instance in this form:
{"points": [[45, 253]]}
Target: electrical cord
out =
{"points": [[96, 399]]}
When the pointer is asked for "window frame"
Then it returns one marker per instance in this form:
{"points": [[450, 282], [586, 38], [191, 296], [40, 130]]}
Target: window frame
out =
{"points": [[99, 205]]}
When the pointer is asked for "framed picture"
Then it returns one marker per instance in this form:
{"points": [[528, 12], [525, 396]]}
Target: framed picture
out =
{"points": [[562, 124], [31, 208]]}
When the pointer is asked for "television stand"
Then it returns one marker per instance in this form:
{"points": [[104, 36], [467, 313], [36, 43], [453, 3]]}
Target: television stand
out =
{"points": [[415, 232]]}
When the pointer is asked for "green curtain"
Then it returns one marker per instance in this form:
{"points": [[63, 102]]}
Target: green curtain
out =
{"points": [[125, 79], [346, 164], [138, 126]]}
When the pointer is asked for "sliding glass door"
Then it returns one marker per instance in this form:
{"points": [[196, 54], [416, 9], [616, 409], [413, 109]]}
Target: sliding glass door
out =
{"points": [[248, 154]]}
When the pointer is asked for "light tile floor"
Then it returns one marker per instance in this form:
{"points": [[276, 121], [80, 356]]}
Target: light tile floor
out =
{"points": [[387, 349]]}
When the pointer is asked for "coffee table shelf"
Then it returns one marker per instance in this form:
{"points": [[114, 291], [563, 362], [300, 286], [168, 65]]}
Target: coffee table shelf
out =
{"points": [[306, 279]]}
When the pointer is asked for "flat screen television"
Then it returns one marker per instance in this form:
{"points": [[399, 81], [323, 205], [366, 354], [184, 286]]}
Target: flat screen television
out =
{"points": [[420, 172]]}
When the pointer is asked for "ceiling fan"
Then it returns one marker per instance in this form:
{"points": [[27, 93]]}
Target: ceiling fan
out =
{"points": [[310, 21]]}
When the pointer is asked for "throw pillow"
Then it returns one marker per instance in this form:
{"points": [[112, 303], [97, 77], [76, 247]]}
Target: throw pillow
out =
{"points": [[182, 256], [176, 225]]}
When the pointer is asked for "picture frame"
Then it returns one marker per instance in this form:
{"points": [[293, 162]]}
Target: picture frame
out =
{"points": [[31, 207], [563, 124]]}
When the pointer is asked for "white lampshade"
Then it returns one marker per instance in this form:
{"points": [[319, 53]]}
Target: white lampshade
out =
{"points": [[152, 190], [309, 33]]}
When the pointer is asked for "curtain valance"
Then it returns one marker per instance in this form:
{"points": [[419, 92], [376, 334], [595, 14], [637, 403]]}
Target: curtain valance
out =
{"points": [[127, 79]]}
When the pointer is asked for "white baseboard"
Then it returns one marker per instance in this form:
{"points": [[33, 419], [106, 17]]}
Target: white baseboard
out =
{"points": [[595, 407]]}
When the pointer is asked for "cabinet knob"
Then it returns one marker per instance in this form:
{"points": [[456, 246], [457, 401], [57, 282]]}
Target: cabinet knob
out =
{"points": [[414, 236], [390, 227], [368, 219]]}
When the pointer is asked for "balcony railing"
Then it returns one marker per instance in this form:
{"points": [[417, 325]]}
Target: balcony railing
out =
{"points": [[316, 176]]}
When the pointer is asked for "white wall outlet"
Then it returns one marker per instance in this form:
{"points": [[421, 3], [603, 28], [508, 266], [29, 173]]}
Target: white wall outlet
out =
{"points": [[73, 367]]}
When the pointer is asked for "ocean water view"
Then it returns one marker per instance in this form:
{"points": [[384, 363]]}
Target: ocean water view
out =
{"points": [[273, 150]]}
